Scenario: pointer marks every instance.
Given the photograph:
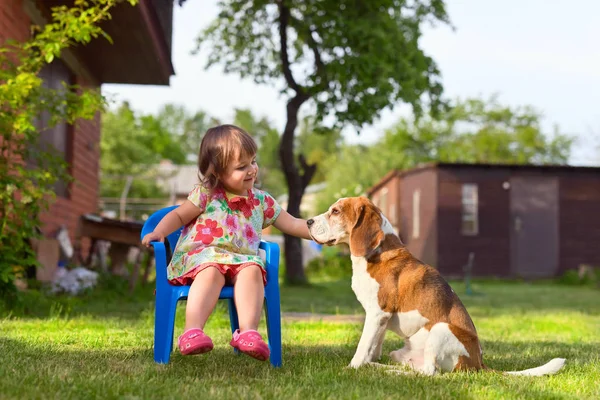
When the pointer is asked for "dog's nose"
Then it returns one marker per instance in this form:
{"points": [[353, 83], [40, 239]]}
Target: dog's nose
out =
{"points": [[310, 222]]}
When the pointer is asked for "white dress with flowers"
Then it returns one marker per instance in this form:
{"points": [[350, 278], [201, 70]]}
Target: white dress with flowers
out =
{"points": [[227, 231]]}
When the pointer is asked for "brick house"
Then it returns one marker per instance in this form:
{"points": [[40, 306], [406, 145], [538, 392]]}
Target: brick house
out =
{"points": [[140, 54], [518, 220]]}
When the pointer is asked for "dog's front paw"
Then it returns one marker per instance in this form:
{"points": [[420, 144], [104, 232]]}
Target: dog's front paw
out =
{"points": [[355, 363]]}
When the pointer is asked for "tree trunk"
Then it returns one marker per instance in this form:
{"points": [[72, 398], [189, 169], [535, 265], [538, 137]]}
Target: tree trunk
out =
{"points": [[296, 183]]}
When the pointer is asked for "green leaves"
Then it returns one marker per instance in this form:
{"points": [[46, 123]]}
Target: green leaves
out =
{"points": [[476, 130], [134, 145], [470, 131], [354, 58], [28, 171]]}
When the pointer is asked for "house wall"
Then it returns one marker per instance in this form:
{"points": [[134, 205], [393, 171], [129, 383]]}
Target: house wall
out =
{"points": [[579, 219], [14, 22], [387, 198], [424, 245], [492, 244], [83, 190], [84, 144], [441, 242]]}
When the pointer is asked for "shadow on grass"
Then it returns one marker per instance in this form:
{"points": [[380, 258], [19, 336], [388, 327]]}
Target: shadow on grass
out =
{"points": [[497, 298], [308, 372]]}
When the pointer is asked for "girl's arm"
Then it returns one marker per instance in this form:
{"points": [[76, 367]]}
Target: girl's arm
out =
{"points": [[292, 225], [175, 219]]}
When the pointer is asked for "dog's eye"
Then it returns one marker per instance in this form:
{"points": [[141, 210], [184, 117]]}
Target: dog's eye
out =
{"points": [[335, 211]]}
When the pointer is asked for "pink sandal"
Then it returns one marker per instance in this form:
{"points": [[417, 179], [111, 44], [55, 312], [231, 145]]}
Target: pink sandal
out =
{"points": [[251, 343], [194, 341]]}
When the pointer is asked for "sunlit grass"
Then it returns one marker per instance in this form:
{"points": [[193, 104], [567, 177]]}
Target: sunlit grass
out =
{"points": [[100, 346]]}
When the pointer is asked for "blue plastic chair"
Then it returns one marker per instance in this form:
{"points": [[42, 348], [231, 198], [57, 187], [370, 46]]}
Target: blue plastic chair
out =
{"points": [[168, 295]]}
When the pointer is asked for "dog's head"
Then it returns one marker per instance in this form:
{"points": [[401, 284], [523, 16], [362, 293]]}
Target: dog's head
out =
{"points": [[353, 220]]}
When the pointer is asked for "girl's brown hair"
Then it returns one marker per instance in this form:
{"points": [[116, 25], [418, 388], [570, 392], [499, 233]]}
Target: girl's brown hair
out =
{"points": [[221, 146]]}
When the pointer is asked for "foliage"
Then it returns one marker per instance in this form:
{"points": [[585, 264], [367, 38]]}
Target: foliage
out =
{"points": [[586, 276], [134, 145], [474, 131], [332, 264], [349, 59], [316, 143], [27, 171], [186, 130], [352, 170], [469, 131], [359, 56]]}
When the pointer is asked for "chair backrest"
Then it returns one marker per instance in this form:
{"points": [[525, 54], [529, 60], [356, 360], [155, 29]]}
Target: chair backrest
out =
{"points": [[155, 218]]}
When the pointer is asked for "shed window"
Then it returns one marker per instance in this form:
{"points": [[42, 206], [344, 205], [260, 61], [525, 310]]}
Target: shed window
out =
{"points": [[416, 217], [470, 205]]}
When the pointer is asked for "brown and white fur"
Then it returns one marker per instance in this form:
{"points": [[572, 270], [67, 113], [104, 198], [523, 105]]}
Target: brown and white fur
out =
{"points": [[404, 295]]}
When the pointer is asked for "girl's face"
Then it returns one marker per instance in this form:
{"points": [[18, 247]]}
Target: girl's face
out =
{"points": [[240, 175]]}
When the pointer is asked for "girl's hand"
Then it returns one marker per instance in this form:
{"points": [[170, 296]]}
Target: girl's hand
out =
{"points": [[152, 237], [291, 225]]}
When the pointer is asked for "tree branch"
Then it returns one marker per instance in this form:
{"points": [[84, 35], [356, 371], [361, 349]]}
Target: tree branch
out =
{"points": [[313, 46], [284, 19], [319, 66]]}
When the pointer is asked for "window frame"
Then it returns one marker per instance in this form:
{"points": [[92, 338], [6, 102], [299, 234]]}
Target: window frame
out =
{"points": [[416, 214], [469, 209]]}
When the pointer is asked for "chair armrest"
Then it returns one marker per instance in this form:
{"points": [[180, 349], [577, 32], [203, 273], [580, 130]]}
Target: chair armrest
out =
{"points": [[160, 259], [272, 260]]}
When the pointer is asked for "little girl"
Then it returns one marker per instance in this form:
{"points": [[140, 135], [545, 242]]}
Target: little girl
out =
{"points": [[223, 218]]}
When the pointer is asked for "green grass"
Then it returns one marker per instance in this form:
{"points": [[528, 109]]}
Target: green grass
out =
{"points": [[100, 346]]}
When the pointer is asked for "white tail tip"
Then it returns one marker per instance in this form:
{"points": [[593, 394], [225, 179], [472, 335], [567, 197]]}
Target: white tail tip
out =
{"points": [[550, 368]]}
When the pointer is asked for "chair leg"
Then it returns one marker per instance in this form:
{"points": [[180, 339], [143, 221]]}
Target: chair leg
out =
{"points": [[233, 319], [164, 325], [273, 316]]}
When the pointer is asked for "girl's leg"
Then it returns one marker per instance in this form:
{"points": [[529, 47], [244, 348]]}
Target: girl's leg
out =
{"points": [[203, 296], [249, 294]]}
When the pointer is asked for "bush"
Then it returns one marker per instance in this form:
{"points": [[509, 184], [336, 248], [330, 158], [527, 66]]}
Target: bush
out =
{"points": [[585, 276]]}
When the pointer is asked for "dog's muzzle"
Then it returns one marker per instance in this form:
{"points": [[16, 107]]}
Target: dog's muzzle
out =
{"points": [[319, 230]]}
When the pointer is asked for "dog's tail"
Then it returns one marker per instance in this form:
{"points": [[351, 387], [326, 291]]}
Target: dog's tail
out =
{"points": [[550, 368]]}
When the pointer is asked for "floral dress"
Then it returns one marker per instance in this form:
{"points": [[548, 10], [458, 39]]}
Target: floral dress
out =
{"points": [[227, 231]]}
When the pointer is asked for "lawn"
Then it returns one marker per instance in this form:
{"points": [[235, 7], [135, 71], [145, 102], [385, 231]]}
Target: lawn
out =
{"points": [[100, 346]]}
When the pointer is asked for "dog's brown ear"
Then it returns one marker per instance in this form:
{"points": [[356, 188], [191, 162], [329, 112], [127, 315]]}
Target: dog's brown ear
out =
{"points": [[366, 235]]}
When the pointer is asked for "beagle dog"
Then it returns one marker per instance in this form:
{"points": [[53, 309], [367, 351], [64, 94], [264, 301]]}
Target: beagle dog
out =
{"points": [[404, 295]]}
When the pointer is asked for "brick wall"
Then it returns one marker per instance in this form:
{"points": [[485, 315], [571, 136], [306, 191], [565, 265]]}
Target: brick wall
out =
{"points": [[83, 190], [14, 22]]}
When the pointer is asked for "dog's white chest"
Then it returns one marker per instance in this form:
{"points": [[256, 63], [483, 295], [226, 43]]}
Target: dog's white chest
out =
{"points": [[406, 324], [364, 286]]}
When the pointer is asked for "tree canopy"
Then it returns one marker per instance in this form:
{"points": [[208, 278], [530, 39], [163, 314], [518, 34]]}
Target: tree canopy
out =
{"points": [[349, 59]]}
